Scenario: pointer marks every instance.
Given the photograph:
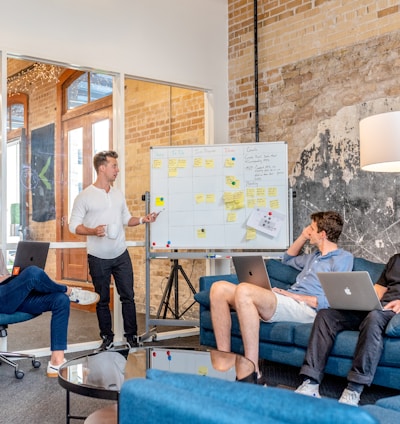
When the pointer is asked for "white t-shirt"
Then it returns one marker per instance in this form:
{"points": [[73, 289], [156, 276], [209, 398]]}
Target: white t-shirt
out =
{"points": [[94, 206]]}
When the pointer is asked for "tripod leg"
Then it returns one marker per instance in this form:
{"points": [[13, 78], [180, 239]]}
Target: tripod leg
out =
{"points": [[166, 295], [187, 279]]}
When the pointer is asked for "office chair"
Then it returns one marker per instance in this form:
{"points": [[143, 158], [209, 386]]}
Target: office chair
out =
{"points": [[5, 320]]}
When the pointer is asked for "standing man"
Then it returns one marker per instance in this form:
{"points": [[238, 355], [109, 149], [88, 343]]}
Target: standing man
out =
{"points": [[300, 303], [100, 213]]}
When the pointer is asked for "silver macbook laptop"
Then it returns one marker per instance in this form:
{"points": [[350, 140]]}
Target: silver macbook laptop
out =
{"points": [[351, 290], [29, 253], [252, 269]]}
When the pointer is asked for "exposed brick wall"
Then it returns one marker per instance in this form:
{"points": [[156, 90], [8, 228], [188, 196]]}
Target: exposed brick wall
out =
{"points": [[289, 32], [315, 58]]}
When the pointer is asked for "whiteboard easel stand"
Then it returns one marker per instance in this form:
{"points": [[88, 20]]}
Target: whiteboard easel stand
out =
{"points": [[173, 284], [151, 324]]}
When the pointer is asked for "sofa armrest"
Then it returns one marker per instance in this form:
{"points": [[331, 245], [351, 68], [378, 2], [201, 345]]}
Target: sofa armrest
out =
{"points": [[206, 282], [197, 399]]}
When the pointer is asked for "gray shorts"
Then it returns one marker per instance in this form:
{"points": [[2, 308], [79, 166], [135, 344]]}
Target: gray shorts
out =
{"points": [[288, 309]]}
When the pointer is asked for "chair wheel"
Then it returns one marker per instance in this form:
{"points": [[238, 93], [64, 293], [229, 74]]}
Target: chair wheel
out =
{"points": [[36, 363], [19, 374]]}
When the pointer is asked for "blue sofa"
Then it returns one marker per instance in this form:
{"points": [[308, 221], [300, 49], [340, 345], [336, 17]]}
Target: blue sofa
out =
{"points": [[286, 342], [172, 398]]}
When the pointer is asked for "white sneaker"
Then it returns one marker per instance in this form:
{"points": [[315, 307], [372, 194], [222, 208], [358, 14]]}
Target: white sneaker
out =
{"points": [[52, 370], [83, 297], [350, 397], [308, 389]]}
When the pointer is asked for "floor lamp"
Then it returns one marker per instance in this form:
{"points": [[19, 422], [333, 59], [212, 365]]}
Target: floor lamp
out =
{"points": [[380, 142]]}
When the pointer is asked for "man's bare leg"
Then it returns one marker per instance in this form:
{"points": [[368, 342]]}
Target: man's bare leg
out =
{"points": [[222, 295], [253, 302]]}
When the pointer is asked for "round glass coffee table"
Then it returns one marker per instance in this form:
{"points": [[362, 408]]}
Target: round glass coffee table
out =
{"points": [[101, 375]]}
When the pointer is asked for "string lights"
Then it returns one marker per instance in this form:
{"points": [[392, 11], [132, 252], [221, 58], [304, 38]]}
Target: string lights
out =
{"points": [[26, 80]]}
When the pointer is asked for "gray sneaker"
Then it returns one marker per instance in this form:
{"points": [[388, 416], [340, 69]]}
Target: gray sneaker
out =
{"points": [[308, 389], [83, 297], [350, 397]]}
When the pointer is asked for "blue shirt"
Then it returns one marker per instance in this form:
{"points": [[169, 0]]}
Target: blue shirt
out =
{"points": [[307, 281]]}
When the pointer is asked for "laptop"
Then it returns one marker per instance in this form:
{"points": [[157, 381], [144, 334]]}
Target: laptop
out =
{"points": [[29, 253], [351, 290], [252, 269]]}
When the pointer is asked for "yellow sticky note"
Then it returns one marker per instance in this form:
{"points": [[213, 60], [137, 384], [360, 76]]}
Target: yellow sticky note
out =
{"points": [[199, 198], [201, 233], [272, 192], [203, 370], [260, 192], [159, 201], [181, 163], [251, 192], [210, 198], [251, 234], [157, 163], [198, 162], [229, 163], [251, 203], [238, 204], [274, 204], [228, 196], [172, 163], [209, 163], [231, 217], [172, 172], [238, 196], [261, 202]]}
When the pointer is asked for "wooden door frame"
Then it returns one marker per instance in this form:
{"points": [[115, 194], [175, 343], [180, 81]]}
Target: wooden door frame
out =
{"points": [[61, 149]]}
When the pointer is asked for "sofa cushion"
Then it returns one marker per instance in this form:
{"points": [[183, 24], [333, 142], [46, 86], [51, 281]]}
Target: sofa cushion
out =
{"points": [[278, 332], [392, 402], [393, 328], [282, 276], [382, 414], [374, 269]]}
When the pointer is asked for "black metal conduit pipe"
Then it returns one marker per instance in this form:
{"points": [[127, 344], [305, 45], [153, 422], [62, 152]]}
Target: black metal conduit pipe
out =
{"points": [[256, 113]]}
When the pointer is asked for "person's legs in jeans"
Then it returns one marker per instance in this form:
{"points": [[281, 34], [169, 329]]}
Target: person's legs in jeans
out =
{"points": [[369, 347], [100, 271], [59, 305], [123, 277], [327, 325], [31, 279]]}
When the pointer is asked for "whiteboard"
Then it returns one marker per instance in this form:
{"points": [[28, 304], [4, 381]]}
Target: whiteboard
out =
{"points": [[224, 196]]}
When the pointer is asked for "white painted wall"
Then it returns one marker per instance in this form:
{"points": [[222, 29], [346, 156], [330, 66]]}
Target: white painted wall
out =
{"points": [[176, 41]]}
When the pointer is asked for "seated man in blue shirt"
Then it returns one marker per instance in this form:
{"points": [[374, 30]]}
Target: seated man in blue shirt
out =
{"points": [[34, 292], [300, 303]]}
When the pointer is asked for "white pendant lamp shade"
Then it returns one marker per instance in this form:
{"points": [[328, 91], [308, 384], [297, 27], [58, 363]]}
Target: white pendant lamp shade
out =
{"points": [[380, 142]]}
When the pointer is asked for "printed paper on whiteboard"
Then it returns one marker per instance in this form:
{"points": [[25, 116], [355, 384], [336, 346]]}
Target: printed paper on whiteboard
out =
{"points": [[266, 220]]}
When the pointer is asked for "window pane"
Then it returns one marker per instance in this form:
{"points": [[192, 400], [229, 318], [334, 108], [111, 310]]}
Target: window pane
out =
{"points": [[16, 118], [13, 200], [100, 86], [101, 139], [77, 92], [75, 165]]}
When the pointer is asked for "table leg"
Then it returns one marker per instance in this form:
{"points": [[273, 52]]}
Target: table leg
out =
{"points": [[70, 417]]}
